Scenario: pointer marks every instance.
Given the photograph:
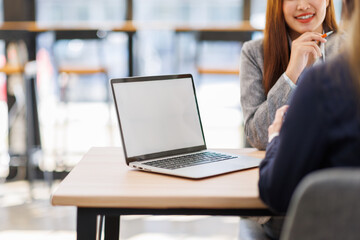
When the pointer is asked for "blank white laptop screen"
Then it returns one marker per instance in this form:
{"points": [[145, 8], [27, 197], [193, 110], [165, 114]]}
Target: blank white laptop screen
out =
{"points": [[158, 115]]}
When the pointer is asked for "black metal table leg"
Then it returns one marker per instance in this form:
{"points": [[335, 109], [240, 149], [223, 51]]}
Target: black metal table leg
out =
{"points": [[130, 54], [112, 227], [86, 224], [87, 218]]}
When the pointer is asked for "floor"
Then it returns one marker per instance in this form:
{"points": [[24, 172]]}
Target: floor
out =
{"points": [[26, 212]]}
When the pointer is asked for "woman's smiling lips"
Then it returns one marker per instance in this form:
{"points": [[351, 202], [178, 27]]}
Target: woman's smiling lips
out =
{"points": [[305, 17]]}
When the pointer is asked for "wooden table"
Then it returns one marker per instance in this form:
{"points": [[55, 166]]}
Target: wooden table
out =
{"points": [[102, 184]]}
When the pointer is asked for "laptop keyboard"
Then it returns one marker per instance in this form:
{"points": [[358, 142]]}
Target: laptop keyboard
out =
{"points": [[189, 160]]}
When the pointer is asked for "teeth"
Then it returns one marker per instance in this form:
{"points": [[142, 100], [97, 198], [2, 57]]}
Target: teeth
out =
{"points": [[305, 17]]}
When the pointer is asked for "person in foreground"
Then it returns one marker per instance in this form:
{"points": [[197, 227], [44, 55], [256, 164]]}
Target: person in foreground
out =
{"points": [[320, 129], [270, 67]]}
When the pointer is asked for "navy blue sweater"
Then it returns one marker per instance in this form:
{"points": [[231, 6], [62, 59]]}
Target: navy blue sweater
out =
{"points": [[321, 130]]}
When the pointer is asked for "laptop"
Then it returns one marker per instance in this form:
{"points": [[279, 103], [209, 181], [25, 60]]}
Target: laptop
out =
{"points": [[161, 129]]}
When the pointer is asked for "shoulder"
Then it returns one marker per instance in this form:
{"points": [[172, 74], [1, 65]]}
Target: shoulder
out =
{"points": [[337, 67], [335, 44], [258, 43], [333, 91], [253, 52], [253, 47], [332, 77]]}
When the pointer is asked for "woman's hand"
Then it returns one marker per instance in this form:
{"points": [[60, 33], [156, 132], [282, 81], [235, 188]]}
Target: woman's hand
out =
{"points": [[304, 51], [275, 127]]}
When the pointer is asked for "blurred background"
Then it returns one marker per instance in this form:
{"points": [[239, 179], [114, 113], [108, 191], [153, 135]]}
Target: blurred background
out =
{"points": [[56, 58]]}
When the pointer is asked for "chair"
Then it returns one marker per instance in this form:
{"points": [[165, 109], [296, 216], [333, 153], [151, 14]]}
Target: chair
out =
{"points": [[325, 206]]}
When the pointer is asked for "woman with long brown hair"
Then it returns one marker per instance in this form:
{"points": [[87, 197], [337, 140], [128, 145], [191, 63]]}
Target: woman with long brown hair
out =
{"points": [[270, 67]]}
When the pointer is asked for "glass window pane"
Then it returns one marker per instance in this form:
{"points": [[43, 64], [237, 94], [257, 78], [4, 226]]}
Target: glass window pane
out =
{"points": [[189, 11], [93, 11], [258, 13], [338, 4]]}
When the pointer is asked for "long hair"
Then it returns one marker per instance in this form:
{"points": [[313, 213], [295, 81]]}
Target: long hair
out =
{"points": [[354, 45], [347, 9], [276, 45]]}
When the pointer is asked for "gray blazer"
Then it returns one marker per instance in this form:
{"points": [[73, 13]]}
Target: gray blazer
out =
{"points": [[258, 109]]}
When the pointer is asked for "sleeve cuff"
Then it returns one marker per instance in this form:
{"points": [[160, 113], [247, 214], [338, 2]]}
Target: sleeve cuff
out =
{"points": [[272, 136], [288, 80]]}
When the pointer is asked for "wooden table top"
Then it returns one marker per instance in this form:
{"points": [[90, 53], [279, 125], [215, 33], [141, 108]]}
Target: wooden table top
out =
{"points": [[102, 179]]}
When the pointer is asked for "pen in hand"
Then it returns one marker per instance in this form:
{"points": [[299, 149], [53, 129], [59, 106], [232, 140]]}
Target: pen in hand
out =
{"points": [[325, 35]]}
